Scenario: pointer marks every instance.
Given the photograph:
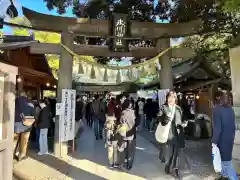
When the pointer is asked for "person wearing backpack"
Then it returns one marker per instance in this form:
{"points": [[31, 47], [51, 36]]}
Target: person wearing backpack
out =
{"points": [[43, 124]]}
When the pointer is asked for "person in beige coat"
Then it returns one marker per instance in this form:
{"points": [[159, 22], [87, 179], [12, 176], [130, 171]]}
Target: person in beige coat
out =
{"points": [[126, 136]]}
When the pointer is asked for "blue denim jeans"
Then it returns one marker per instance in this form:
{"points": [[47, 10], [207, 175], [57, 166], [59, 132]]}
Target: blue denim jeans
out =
{"points": [[141, 121], [228, 170], [98, 127], [37, 138]]}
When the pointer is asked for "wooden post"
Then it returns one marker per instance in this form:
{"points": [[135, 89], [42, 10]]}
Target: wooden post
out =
{"points": [[38, 91], [64, 82], [165, 74], [211, 91], [234, 54], [7, 104]]}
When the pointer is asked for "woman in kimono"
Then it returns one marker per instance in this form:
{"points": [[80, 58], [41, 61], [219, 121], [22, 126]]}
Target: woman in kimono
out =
{"points": [[170, 112], [109, 132], [126, 132]]}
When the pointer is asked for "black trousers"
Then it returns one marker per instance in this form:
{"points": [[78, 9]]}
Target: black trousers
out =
{"points": [[126, 157], [89, 119], [173, 159], [163, 152]]}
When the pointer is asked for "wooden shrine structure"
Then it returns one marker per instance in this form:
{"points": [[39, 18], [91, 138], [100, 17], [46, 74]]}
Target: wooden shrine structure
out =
{"points": [[196, 76], [118, 31], [34, 73]]}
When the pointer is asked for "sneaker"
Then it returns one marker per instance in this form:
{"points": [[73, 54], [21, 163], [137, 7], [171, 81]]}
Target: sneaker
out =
{"points": [[39, 154], [21, 158], [222, 178], [110, 166], [116, 166], [129, 167]]}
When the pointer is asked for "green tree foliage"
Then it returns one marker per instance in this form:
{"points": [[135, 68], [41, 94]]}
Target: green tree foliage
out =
{"points": [[221, 19], [210, 11], [45, 37], [214, 50], [231, 5], [41, 36]]}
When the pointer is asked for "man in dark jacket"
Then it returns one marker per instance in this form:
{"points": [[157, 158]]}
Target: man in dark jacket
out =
{"points": [[78, 114], [99, 116], [44, 123], [89, 113], [79, 108]]}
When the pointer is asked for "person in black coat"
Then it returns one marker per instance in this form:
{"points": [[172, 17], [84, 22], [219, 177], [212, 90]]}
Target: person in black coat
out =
{"points": [[79, 108], [149, 111], [78, 115], [44, 123], [89, 113]]}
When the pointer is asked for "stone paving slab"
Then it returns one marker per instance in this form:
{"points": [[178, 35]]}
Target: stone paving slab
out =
{"points": [[89, 162], [197, 153]]}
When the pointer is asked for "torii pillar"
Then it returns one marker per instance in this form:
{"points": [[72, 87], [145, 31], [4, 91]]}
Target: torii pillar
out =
{"points": [[64, 82], [166, 73], [234, 54]]}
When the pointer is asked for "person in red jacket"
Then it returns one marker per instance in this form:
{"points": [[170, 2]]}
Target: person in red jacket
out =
{"points": [[111, 107]]}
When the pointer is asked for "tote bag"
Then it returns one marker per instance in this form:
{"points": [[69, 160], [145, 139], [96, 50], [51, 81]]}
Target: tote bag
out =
{"points": [[162, 132], [216, 159]]}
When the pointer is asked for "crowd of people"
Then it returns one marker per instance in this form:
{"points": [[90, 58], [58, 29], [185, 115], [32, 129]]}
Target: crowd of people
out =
{"points": [[125, 117], [116, 120]]}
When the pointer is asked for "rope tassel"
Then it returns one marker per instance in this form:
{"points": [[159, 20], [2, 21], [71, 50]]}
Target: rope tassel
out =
{"points": [[92, 73], [105, 77], [118, 77], [80, 68], [130, 74]]}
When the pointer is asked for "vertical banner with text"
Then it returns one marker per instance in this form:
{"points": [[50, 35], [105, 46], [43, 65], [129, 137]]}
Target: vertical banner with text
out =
{"points": [[67, 117]]}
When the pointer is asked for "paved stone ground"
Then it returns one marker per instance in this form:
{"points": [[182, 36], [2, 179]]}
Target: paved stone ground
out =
{"points": [[197, 152], [89, 162]]}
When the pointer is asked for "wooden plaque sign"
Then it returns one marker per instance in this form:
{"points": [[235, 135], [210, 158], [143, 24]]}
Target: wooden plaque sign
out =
{"points": [[119, 28]]}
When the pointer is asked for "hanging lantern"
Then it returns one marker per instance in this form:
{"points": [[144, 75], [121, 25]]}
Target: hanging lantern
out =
{"points": [[80, 68], [105, 77], [92, 74], [118, 80]]}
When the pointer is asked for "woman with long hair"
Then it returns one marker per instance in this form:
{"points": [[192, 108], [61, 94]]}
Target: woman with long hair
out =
{"points": [[171, 113], [224, 133]]}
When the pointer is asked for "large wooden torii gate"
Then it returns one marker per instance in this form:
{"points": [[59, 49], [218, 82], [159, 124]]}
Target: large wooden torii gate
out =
{"points": [[68, 27]]}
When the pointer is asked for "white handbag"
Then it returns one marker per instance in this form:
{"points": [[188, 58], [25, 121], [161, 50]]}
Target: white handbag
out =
{"points": [[216, 159], [162, 132]]}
